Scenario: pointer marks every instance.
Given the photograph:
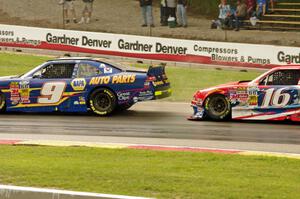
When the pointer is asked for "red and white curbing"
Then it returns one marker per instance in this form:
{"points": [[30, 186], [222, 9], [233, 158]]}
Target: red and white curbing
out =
{"points": [[144, 147]]}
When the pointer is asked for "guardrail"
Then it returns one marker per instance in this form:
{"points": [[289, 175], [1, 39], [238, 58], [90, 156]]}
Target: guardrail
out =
{"points": [[14, 192]]}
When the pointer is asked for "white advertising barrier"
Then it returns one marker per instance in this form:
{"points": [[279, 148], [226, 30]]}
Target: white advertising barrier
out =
{"points": [[14, 192], [155, 48]]}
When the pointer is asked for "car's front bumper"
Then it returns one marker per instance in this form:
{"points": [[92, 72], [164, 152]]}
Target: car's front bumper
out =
{"points": [[199, 112]]}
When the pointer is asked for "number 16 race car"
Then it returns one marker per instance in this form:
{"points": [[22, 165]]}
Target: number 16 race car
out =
{"points": [[275, 95], [80, 85]]}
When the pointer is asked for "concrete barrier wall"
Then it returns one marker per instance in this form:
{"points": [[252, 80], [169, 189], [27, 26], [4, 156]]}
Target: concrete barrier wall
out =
{"points": [[151, 48], [14, 192]]}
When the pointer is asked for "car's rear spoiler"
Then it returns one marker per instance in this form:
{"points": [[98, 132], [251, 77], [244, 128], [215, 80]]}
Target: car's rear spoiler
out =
{"points": [[157, 71]]}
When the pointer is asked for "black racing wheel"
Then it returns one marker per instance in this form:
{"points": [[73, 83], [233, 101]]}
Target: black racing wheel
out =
{"points": [[218, 107], [2, 102], [102, 101]]}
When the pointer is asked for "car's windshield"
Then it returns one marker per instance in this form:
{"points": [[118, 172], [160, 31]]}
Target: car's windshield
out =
{"points": [[256, 80]]}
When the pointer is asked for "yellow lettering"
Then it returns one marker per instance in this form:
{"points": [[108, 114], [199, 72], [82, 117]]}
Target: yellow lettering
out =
{"points": [[115, 79], [106, 80], [124, 79], [132, 79]]}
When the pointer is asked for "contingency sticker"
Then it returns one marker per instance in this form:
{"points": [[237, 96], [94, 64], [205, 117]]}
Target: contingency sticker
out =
{"points": [[14, 93], [24, 92]]}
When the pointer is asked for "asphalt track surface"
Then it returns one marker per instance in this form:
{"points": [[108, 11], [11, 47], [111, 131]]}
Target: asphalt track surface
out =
{"points": [[153, 123]]}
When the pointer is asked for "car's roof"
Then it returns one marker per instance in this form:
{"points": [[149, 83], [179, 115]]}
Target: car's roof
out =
{"points": [[287, 67], [121, 66], [82, 58]]}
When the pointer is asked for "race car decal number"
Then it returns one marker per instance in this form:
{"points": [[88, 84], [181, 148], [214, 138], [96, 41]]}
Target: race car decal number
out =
{"points": [[275, 98], [52, 92]]}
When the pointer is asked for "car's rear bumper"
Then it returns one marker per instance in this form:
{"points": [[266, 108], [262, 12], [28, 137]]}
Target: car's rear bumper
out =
{"points": [[163, 92]]}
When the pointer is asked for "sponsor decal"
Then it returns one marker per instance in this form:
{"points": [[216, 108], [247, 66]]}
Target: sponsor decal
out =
{"points": [[14, 93], [253, 96], [82, 100], [158, 83], [239, 96], [123, 79], [145, 95], [108, 70], [100, 80], [124, 96], [78, 84], [24, 92]]}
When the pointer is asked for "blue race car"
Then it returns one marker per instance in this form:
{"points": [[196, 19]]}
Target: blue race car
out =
{"points": [[81, 85]]}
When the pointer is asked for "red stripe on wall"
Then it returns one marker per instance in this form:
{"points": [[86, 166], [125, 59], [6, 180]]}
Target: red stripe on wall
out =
{"points": [[163, 57]]}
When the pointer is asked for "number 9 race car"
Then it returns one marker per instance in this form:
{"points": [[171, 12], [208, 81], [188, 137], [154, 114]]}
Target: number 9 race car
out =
{"points": [[275, 95], [80, 85]]}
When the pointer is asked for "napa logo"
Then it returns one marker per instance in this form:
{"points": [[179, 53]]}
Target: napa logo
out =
{"points": [[78, 84]]}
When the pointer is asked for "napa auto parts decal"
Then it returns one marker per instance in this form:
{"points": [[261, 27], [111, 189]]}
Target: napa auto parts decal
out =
{"points": [[155, 48]]}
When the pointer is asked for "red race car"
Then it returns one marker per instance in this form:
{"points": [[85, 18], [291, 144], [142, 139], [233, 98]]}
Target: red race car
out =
{"points": [[275, 95]]}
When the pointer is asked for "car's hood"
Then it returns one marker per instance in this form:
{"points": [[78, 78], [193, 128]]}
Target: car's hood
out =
{"points": [[227, 85], [8, 77], [240, 83]]}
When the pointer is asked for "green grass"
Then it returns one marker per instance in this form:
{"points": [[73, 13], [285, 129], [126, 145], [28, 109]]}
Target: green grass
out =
{"points": [[17, 64], [185, 81], [150, 173]]}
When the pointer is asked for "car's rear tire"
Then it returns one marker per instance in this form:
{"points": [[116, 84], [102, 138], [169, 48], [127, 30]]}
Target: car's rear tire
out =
{"points": [[2, 102], [217, 107], [103, 101]]}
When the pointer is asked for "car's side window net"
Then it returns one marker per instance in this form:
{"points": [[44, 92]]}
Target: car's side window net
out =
{"points": [[87, 70], [282, 77], [55, 71]]}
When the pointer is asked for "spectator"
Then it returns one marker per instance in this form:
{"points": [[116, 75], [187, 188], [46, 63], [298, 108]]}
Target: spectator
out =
{"points": [[272, 2], [172, 9], [87, 11], [68, 6], [251, 5], [163, 13], [181, 12], [240, 14], [146, 6], [224, 13], [261, 8]]}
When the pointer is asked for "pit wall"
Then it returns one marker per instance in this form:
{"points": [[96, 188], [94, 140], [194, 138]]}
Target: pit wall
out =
{"points": [[152, 48]]}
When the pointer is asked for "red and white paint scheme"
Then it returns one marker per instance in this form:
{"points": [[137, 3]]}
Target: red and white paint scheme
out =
{"points": [[275, 95]]}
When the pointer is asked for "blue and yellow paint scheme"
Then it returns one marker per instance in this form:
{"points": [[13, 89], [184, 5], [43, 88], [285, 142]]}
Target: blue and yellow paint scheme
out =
{"points": [[37, 92]]}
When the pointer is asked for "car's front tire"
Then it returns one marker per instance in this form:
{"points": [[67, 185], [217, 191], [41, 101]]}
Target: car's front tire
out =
{"points": [[217, 107], [103, 101], [2, 102]]}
